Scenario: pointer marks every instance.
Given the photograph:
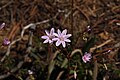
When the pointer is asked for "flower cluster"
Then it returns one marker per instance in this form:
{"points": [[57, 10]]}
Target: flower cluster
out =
{"points": [[86, 57], [59, 37]]}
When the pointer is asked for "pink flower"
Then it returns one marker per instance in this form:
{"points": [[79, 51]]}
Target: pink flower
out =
{"points": [[49, 36], [2, 26], [62, 37], [6, 41], [86, 57]]}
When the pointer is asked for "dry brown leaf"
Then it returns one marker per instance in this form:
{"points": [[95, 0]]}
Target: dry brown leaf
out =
{"points": [[104, 35]]}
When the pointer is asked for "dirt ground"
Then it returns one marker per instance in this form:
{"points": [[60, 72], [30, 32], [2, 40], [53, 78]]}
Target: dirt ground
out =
{"points": [[95, 28]]}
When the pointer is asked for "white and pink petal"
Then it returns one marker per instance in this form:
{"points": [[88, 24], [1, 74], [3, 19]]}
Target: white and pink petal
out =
{"points": [[64, 32], [46, 41], [55, 39], [44, 37], [50, 41], [67, 40], [58, 43], [68, 35], [63, 44], [47, 32], [59, 32], [52, 31]]}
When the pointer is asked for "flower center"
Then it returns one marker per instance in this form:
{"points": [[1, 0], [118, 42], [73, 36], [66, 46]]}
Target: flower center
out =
{"points": [[51, 37], [61, 38]]}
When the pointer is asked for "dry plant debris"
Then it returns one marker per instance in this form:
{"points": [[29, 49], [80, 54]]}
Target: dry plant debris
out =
{"points": [[93, 24]]}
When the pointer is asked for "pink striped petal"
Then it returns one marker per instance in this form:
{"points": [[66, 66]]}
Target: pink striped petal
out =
{"points": [[46, 32], [44, 37], [63, 44], [58, 43], [46, 41], [67, 40], [64, 32]]}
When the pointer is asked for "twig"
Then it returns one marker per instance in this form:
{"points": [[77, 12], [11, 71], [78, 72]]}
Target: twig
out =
{"points": [[47, 20], [59, 75], [16, 27], [106, 42], [66, 16], [9, 2], [117, 45], [95, 70], [80, 10]]}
